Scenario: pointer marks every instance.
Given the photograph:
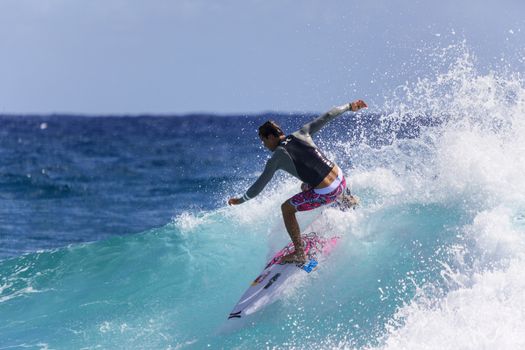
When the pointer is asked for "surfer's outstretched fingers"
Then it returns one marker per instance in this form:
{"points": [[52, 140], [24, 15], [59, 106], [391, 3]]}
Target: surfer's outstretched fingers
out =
{"points": [[357, 105]]}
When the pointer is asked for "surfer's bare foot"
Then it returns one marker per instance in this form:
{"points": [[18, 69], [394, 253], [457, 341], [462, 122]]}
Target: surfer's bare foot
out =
{"points": [[351, 200], [347, 201], [293, 258]]}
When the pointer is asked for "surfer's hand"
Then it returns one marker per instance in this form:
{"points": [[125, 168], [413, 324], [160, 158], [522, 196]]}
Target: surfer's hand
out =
{"points": [[234, 201], [357, 105]]}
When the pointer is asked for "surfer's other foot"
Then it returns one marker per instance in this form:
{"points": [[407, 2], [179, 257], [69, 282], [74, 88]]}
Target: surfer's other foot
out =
{"points": [[351, 200], [347, 201], [293, 258]]}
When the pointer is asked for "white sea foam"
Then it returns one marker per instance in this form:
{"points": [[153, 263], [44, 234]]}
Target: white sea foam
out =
{"points": [[188, 222], [19, 293], [478, 159], [488, 315]]}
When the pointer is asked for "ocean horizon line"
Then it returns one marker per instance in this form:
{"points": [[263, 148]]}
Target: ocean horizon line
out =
{"points": [[154, 115]]}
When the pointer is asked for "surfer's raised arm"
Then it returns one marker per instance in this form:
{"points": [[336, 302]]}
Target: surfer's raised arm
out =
{"points": [[316, 124]]}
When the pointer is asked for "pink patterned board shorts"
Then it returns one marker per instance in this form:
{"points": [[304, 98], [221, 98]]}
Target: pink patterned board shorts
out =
{"points": [[309, 199]]}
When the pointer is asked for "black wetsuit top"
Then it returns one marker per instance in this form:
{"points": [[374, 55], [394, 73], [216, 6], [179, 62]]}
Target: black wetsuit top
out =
{"points": [[299, 156], [311, 164]]}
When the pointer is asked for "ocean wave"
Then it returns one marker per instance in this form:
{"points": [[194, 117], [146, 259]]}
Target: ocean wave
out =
{"points": [[432, 258]]}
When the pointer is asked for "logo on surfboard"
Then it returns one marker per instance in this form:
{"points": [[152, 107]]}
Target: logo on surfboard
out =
{"points": [[261, 277], [273, 279]]}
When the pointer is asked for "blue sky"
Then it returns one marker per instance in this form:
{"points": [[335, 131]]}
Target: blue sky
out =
{"points": [[237, 56]]}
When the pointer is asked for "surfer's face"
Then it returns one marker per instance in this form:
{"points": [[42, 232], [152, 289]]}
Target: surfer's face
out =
{"points": [[271, 141]]}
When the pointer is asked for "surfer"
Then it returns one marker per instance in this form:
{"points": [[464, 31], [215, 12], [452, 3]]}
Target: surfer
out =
{"points": [[323, 180]]}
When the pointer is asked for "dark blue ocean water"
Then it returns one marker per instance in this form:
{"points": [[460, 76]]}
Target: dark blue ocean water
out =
{"points": [[68, 179]]}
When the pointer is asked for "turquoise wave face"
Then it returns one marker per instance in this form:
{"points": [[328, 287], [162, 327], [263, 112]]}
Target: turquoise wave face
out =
{"points": [[175, 286], [145, 290]]}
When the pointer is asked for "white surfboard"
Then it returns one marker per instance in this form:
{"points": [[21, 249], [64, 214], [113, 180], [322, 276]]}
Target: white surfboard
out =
{"points": [[267, 287]]}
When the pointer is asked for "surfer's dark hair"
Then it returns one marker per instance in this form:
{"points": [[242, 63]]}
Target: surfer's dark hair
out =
{"points": [[270, 128]]}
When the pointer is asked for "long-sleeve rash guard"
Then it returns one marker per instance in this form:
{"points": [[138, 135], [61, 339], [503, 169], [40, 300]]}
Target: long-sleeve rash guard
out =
{"points": [[283, 158]]}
